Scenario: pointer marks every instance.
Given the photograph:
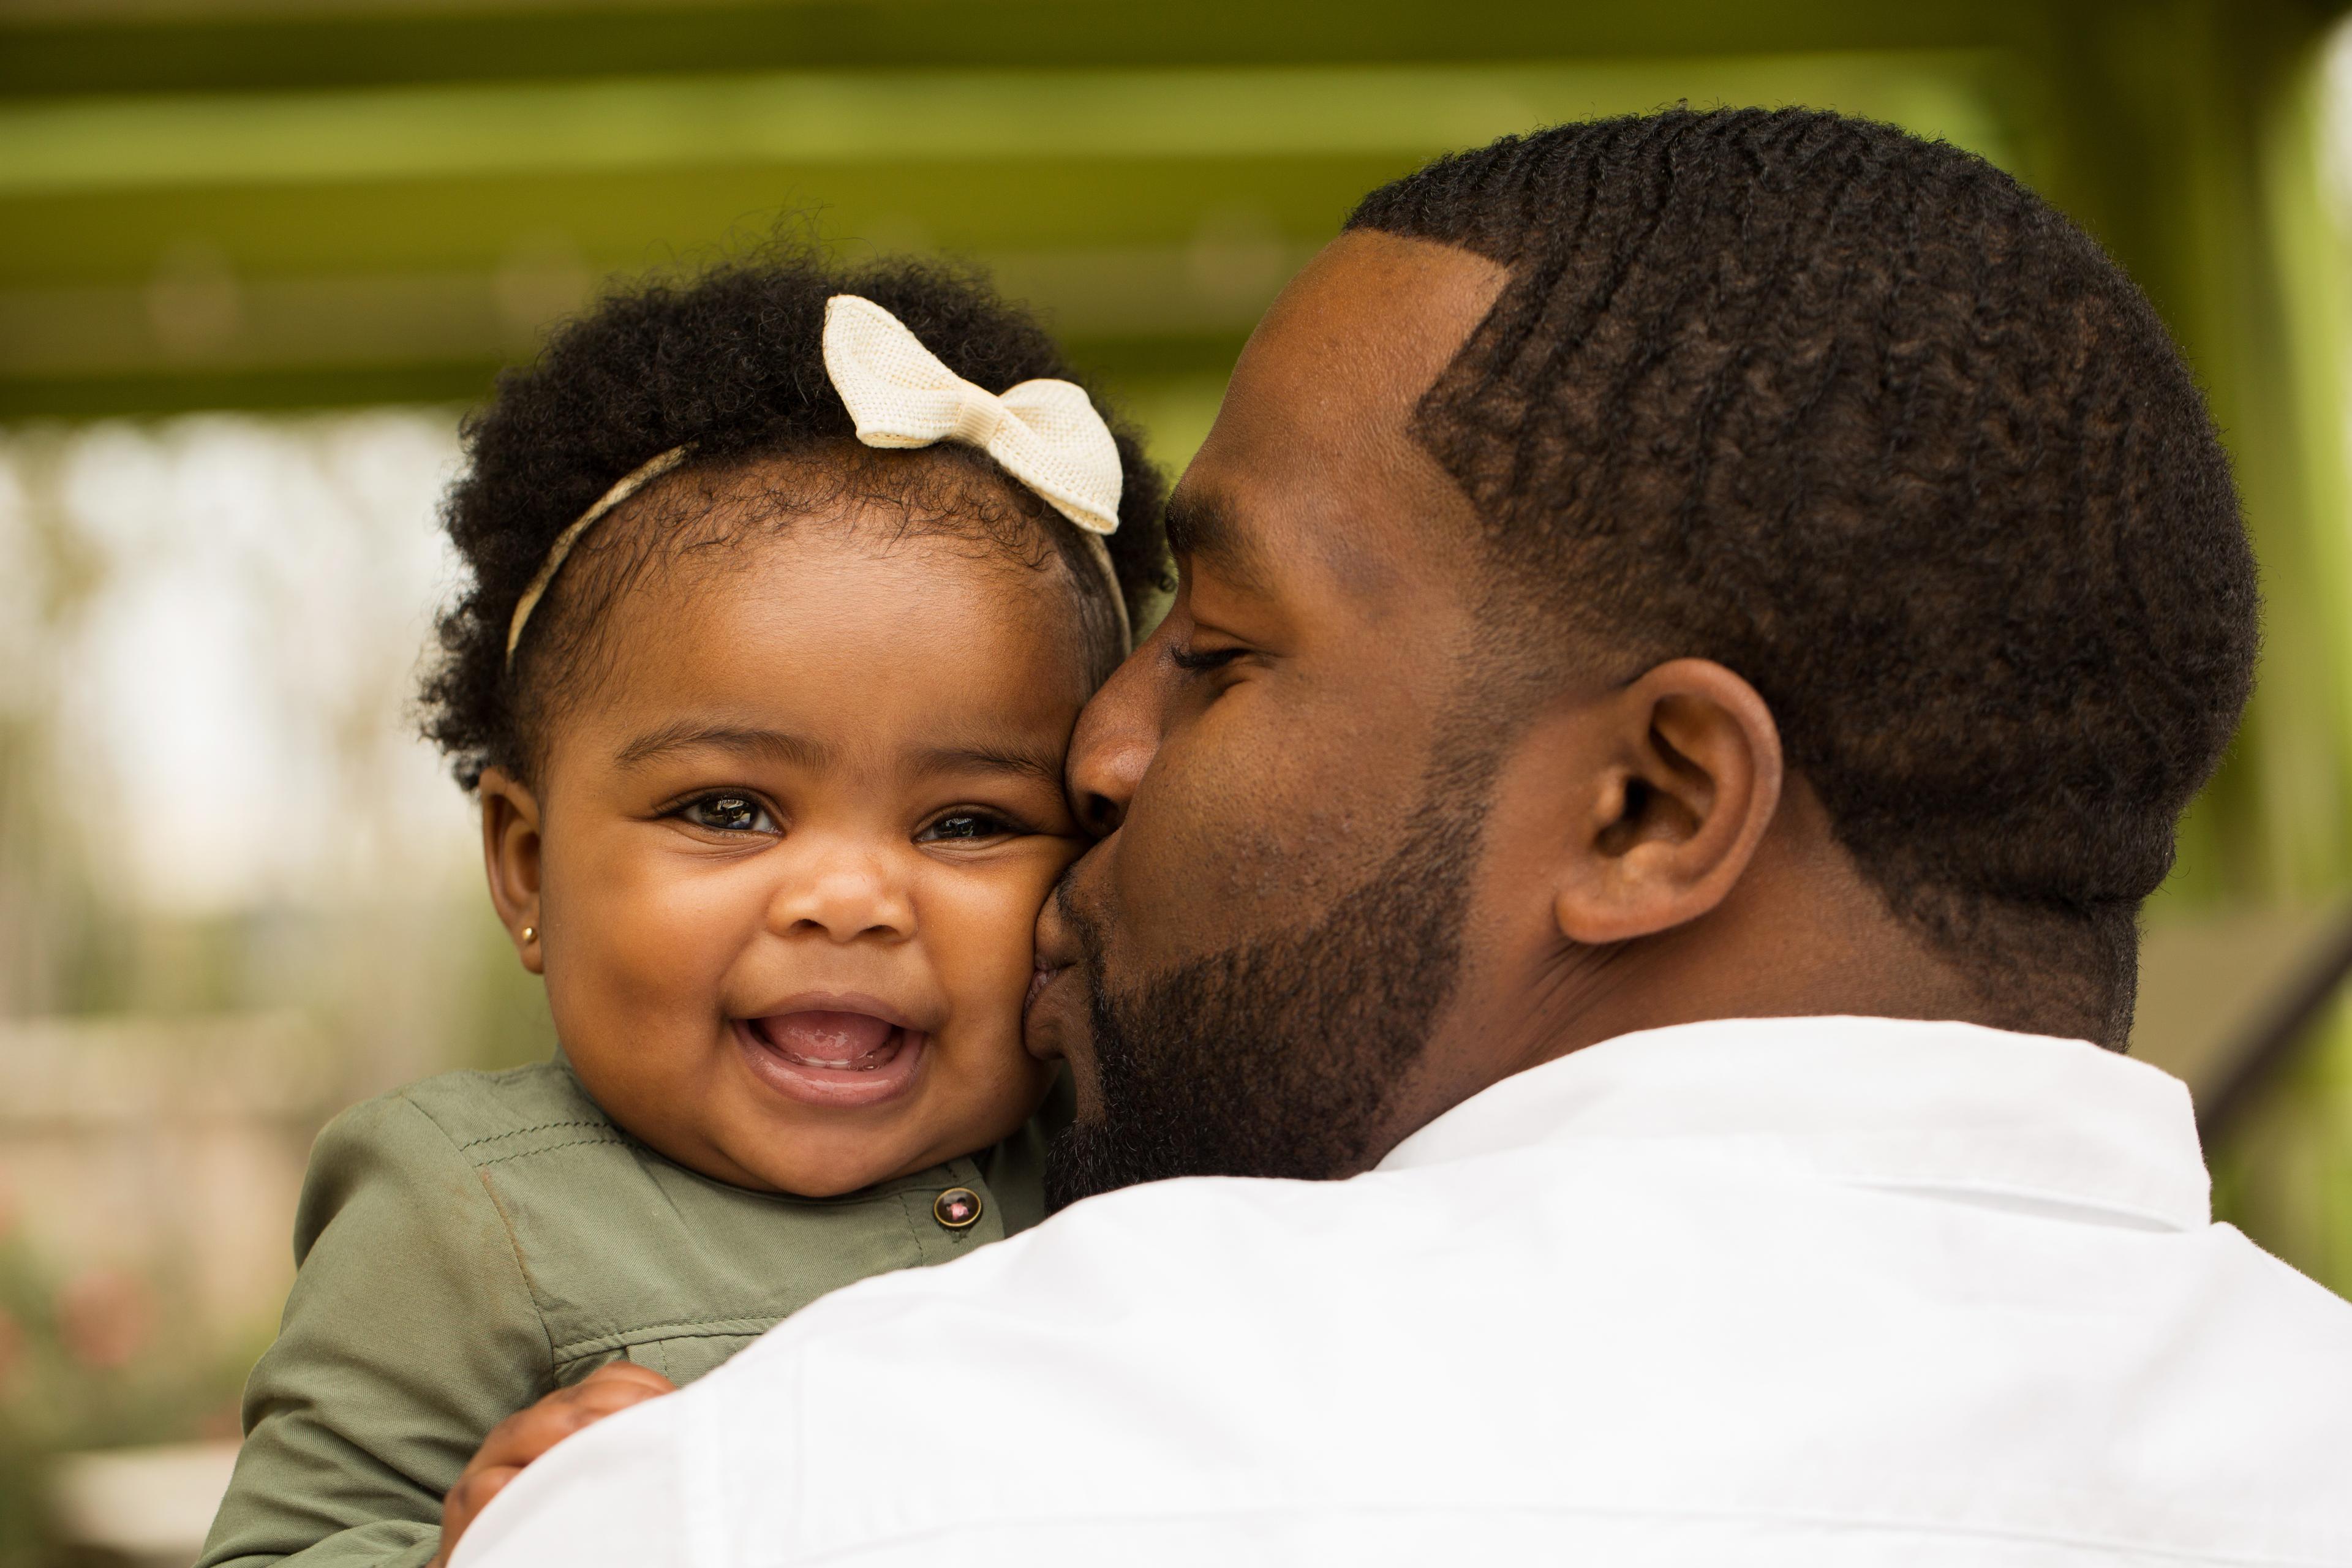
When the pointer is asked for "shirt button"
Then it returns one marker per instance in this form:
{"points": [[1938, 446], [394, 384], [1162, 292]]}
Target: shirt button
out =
{"points": [[957, 1208]]}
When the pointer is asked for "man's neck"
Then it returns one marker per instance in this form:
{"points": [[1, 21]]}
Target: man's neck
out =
{"points": [[1804, 936]]}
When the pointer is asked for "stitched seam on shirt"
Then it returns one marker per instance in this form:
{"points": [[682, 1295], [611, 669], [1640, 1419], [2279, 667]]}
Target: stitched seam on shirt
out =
{"points": [[1890, 1526], [535, 1127], [707, 1329], [907, 1214], [506, 1223], [550, 1149]]}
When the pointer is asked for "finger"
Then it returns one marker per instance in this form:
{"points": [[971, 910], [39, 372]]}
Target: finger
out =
{"points": [[625, 1372], [524, 1436], [613, 1388], [587, 1407], [532, 1432], [466, 1500], [527, 1433], [618, 1394]]}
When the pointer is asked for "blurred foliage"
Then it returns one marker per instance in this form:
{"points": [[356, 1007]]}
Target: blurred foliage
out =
{"points": [[2284, 1174], [95, 1359]]}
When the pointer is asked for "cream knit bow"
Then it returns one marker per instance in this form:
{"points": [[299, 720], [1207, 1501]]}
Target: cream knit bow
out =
{"points": [[1043, 433]]}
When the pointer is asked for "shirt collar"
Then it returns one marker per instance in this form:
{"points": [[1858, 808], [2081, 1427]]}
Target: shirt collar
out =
{"points": [[2004, 1118]]}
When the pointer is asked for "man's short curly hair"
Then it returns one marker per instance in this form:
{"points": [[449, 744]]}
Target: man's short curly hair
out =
{"points": [[1861, 417], [731, 364]]}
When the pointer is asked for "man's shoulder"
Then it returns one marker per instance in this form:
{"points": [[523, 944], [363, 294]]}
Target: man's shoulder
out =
{"points": [[1107, 1270], [1628, 1278], [1556, 1335]]}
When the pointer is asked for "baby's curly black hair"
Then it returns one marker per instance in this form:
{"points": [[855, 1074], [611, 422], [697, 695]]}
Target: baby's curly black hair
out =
{"points": [[1865, 419], [729, 364]]}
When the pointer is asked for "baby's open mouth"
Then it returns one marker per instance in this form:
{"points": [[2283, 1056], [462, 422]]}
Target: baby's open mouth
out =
{"points": [[849, 1041], [826, 1056]]}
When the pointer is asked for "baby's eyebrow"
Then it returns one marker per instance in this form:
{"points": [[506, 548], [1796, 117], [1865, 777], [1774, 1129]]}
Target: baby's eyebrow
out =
{"points": [[779, 745], [1044, 766]]}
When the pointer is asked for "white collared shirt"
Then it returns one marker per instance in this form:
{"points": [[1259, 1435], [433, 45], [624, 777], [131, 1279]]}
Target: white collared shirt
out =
{"points": [[1812, 1291]]}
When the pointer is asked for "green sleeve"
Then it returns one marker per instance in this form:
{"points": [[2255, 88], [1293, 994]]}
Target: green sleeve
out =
{"points": [[410, 1332]]}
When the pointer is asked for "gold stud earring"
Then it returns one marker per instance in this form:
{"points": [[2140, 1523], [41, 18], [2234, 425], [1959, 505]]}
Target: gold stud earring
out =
{"points": [[531, 933]]}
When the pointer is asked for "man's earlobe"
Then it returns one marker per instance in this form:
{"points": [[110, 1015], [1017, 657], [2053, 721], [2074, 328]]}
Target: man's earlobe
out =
{"points": [[510, 859], [1689, 779]]}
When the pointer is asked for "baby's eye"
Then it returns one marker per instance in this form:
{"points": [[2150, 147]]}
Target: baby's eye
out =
{"points": [[966, 826], [727, 814]]}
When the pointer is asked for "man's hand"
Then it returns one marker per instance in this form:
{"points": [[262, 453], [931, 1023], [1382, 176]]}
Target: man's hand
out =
{"points": [[527, 1433]]}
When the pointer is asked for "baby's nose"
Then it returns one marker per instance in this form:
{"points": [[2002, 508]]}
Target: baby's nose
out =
{"points": [[844, 898]]}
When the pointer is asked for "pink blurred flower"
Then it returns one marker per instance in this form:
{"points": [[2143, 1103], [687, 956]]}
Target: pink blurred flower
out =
{"points": [[105, 1316]]}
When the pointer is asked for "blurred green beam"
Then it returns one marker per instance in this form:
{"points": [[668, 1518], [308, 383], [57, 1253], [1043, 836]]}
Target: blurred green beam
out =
{"points": [[77, 47], [807, 120], [280, 247]]}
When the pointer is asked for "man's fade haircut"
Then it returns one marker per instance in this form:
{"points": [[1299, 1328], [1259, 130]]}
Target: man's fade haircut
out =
{"points": [[1862, 419]]}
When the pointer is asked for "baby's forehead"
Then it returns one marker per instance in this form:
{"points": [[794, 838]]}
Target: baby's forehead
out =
{"points": [[943, 489], [836, 569], [876, 655], [711, 520], [767, 524], [734, 562]]}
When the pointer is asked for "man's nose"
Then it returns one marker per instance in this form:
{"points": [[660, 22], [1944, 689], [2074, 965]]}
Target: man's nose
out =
{"points": [[1117, 737]]}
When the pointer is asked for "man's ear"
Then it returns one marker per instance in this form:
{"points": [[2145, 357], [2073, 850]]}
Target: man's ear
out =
{"points": [[1686, 778], [511, 857]]}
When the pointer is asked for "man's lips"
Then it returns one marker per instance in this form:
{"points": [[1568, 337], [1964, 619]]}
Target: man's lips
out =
{"points": [[1040, 978], [1058, 950], [1057, 935], [838, 1056]]}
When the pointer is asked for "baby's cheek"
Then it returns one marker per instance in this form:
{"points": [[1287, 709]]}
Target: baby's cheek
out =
{"points": [[978, 930], [990, 951], [983, 940], [639, 945]]}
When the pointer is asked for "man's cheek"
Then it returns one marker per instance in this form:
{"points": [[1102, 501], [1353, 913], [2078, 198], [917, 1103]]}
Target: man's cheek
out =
{"points": [[1170, 890], [1230, 852], [1085, 1080]]}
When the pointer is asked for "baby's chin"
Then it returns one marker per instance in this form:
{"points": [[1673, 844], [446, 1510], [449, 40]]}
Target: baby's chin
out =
{"points": [[815, 1153], [824, 1167]]}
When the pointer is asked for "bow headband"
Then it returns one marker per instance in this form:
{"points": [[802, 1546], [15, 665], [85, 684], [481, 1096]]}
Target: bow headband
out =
{"points": [[1045, 432]]}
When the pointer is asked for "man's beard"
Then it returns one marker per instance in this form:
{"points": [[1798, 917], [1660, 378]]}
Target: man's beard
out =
{"points": [[1279, 1056]]}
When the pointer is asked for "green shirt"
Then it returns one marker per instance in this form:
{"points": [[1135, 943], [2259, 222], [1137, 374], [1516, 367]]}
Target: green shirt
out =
{"points": [[469, 1243]]}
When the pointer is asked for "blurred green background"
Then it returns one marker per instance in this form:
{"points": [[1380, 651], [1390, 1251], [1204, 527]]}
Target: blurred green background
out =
{"points": [[255, 257]]}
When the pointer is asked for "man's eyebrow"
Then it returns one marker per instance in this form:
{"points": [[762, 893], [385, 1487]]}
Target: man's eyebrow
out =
{"points": [[768, 745], [1203, 527], [1045, 766]]}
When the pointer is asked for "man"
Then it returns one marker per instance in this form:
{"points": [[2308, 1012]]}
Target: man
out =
{"points": [[1695, 633]]}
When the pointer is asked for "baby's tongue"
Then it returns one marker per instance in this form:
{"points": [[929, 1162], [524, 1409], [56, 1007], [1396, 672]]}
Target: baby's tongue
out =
{"points": [[826, 1039]]}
